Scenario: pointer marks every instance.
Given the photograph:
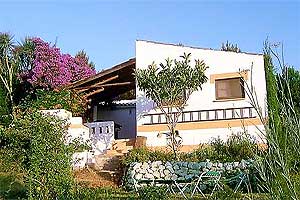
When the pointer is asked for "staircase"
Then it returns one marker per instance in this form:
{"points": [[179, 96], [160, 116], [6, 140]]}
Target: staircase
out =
{"points": [[108, 165]]}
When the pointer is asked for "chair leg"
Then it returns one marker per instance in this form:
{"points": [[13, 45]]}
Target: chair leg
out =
{"points": [[171, 189], [135, 185], [216, 184], [197, 187], [180, 190], [239, 184]]}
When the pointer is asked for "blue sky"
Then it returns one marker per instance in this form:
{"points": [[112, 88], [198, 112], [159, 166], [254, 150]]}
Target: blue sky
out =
{"points": [[107, 30]]}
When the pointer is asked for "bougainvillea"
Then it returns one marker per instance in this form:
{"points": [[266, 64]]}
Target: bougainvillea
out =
{"points": [[52, 69]]}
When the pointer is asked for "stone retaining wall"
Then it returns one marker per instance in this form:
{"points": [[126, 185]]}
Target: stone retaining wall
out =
{"points": [[180, 170]]}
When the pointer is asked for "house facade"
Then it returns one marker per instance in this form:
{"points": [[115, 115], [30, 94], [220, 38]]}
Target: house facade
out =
{"points": [[221, 108]]}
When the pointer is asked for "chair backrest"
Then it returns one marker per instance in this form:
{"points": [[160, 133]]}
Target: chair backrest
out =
{"points": [[241, 176], [211, 174]]}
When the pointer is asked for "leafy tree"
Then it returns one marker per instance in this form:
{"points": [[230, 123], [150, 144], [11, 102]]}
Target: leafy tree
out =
{"points": [[34, 148], [8, 67], [51, 68], [82, 55], [230, 47], [43, 99], [170, 87], [25, 54], [4, 107]]}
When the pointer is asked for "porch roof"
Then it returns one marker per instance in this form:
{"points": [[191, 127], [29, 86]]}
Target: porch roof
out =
{"points": [[107, 84]]}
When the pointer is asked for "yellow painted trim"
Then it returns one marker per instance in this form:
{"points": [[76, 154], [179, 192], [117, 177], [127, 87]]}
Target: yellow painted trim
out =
{"points": [[222, 100], [202, 125], [214, 77]]}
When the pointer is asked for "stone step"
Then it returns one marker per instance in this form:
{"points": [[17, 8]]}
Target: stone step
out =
{"points": [[112, 152], [122, 143], [107, 163], [119, 146], [106, 167], [109, 175], [124, 151]]}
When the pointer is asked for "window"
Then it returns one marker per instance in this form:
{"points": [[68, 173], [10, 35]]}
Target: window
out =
{"points": [[231, 88]]}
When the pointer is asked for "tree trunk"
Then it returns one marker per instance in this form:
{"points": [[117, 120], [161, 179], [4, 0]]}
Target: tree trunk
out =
{"points": [[173, 141]]}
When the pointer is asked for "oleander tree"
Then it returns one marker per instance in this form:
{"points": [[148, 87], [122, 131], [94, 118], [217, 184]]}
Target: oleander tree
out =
{"points": [[170, 86]]}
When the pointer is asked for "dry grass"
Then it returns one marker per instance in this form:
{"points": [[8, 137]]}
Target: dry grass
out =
{"points": [[94, 179]]}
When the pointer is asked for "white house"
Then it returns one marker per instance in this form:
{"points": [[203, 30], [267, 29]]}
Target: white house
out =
{"points": [[221, 108]]}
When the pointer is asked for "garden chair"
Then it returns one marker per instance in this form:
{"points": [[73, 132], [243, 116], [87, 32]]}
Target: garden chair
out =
{"points": [[210, 178], [172, 185], [182, 185], [239, 179]]}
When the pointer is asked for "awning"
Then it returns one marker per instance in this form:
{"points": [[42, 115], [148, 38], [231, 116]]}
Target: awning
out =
{"points": [[108, 84]]}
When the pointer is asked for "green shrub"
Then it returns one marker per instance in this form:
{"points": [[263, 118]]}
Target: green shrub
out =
{"points": [[153, 193], [43, 99], [12, 187], [241, 146], [33, 145], [143, 155], [226, 193], [100, 193], [4, 107], [237, 147], [203, 152]]}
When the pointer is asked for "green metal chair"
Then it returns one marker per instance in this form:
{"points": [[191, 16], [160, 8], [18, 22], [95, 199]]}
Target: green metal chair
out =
{"points": [[210, 178], [173, 186], [238, 179]]}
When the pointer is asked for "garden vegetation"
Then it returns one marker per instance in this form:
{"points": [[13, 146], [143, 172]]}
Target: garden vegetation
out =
{"points": [[35, 162]]}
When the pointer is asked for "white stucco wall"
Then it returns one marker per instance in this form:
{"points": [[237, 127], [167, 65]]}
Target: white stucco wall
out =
{"points": [[219, 62]]}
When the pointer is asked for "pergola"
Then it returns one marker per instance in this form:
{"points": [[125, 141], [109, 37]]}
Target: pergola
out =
{"points": [[107, 84]]}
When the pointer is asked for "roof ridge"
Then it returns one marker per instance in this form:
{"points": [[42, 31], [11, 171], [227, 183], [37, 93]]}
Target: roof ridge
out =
{"points": [[194, 47]]}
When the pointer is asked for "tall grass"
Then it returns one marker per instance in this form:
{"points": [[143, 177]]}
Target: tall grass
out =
{"points": [[279, 166]]}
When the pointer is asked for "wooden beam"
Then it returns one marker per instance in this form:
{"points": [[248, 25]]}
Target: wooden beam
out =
{"points": [[130, 63], [93, 93], [83, 89], [106, 85], [117, 84]]}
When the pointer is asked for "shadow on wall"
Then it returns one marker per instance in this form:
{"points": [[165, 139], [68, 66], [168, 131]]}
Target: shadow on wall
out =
{"points": [[143, 106]]}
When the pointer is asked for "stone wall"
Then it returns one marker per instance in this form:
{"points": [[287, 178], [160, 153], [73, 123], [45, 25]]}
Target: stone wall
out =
{"points": [[180, 170]]}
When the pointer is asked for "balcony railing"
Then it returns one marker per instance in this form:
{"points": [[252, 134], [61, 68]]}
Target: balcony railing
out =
{"points": [[204, 115]]}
